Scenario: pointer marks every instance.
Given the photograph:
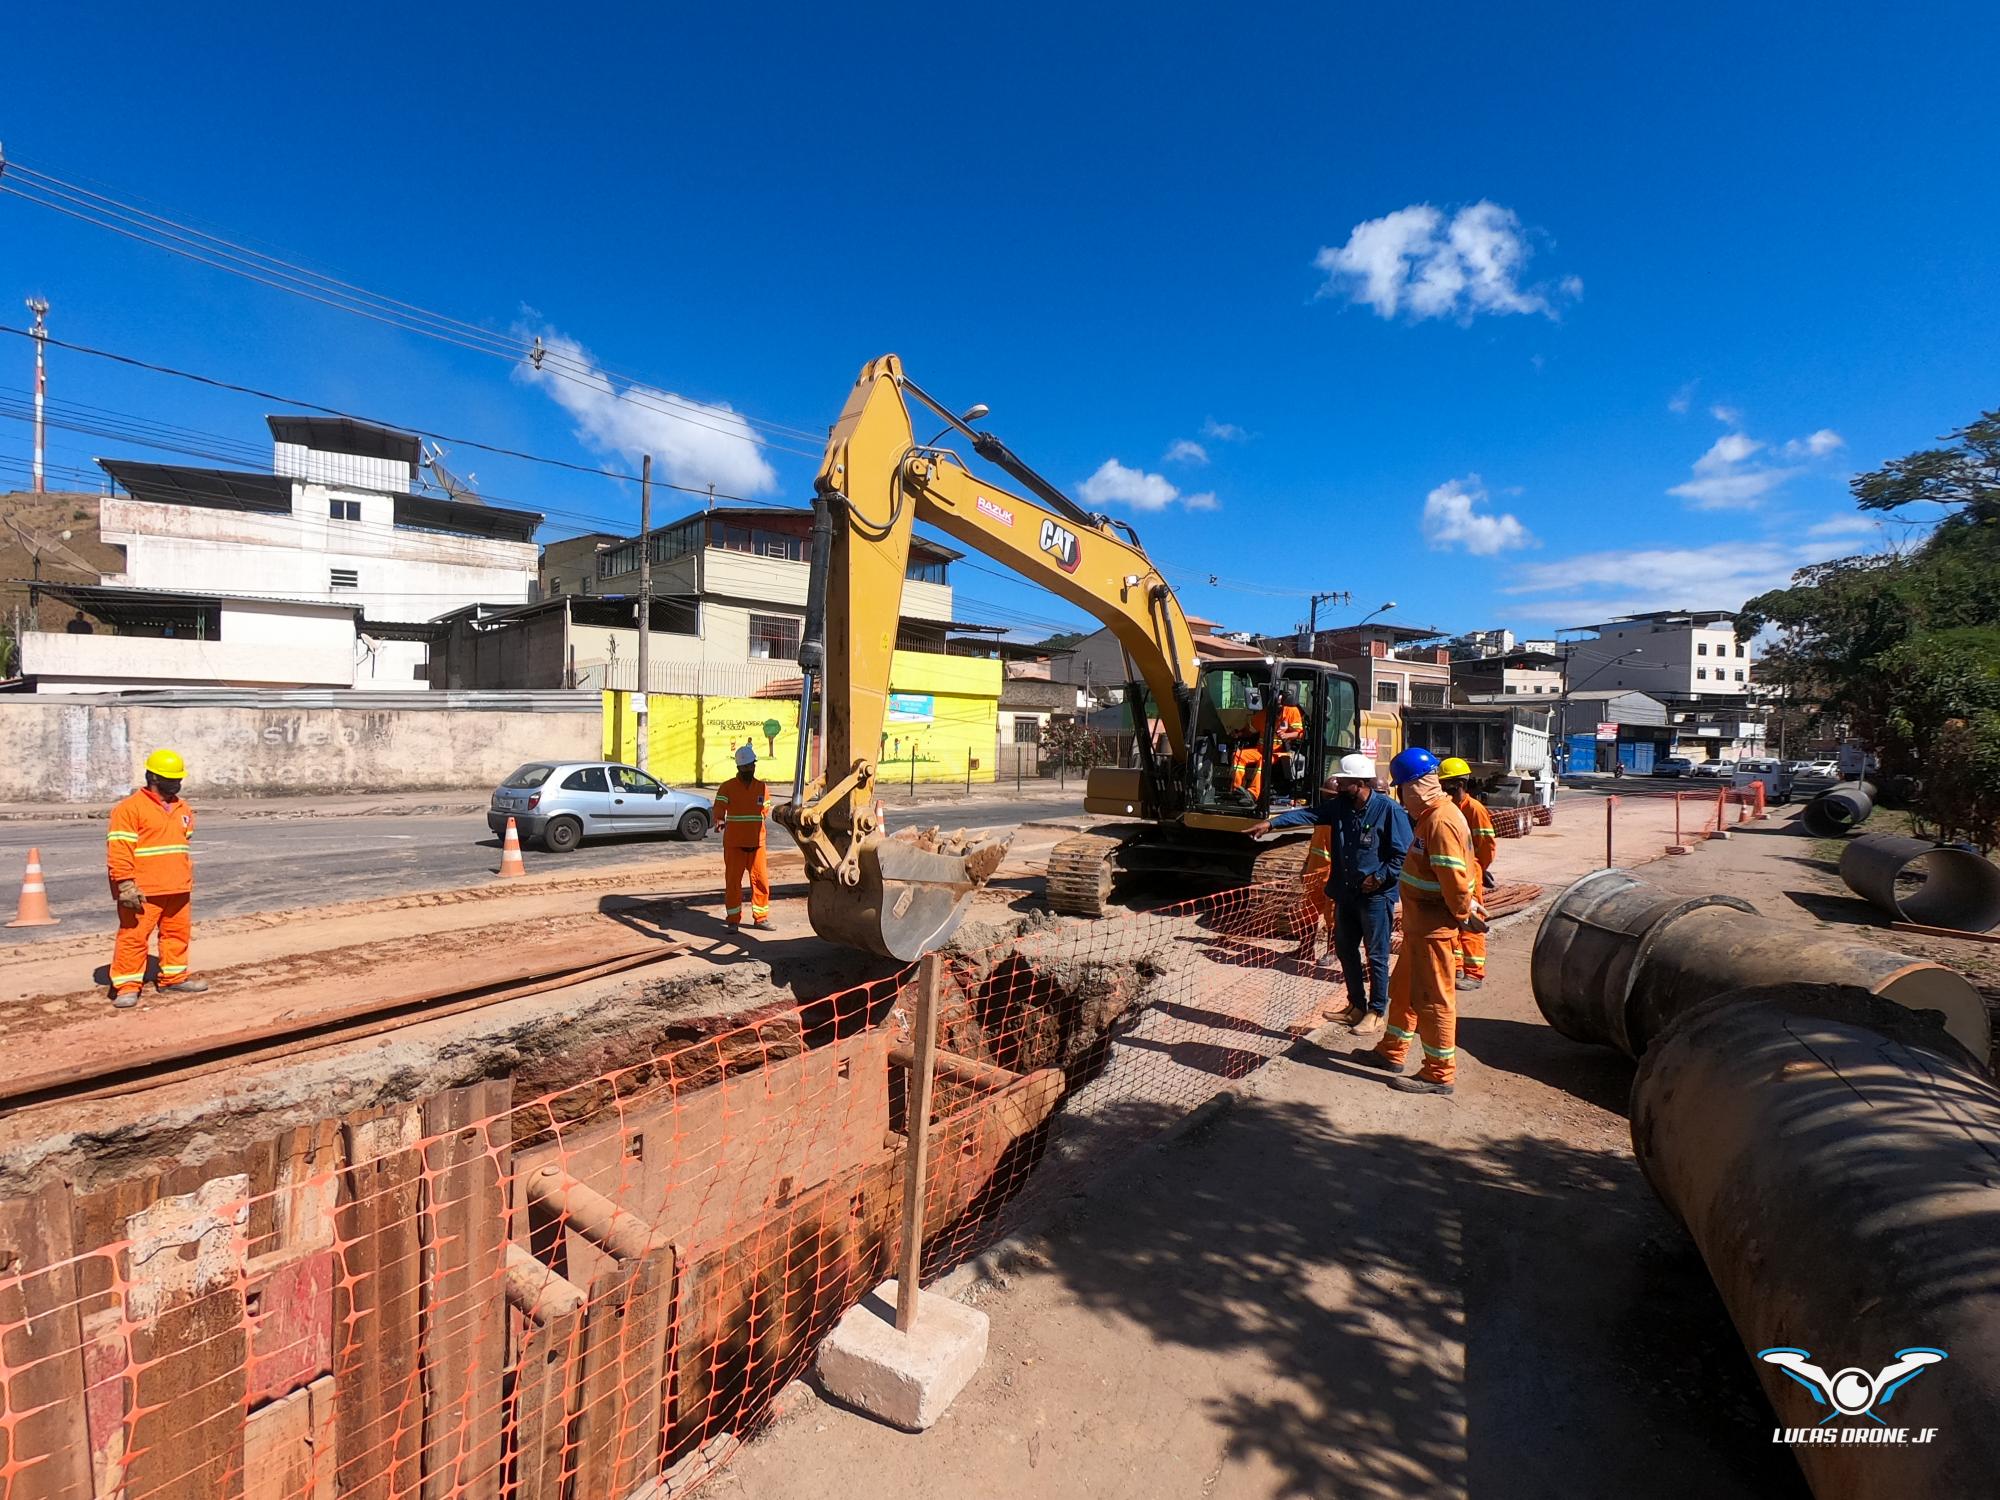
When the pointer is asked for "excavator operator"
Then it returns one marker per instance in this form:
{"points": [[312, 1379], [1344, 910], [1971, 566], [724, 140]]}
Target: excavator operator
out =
{"points": [[1249, 756]]}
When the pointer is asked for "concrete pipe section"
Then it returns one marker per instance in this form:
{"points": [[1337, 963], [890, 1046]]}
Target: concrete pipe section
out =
{"points": [[1934, 885], [1617, 960], [1832, 1158], [1840, 810]]}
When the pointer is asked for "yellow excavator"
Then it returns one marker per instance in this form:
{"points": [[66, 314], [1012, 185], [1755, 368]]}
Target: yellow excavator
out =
{"points": [[1218, 745]]}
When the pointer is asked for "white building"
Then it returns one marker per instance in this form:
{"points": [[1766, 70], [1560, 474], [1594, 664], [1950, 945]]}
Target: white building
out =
{"points": [[336, 522], [149, 639], [1668, 654]]}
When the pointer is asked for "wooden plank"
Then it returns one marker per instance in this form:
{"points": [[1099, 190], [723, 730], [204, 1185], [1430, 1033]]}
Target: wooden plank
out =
{"points": [[923, 1062], [378, 1397], [289, 1306], [288, 1446], [546, 1391], [621, 1405], [44, 1431], [1945, 932], [189, 1342], [465, 1289]]}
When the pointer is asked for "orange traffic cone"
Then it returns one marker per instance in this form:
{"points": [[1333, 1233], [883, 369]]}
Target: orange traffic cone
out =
{"points": [[510, 852], [34, 897]]}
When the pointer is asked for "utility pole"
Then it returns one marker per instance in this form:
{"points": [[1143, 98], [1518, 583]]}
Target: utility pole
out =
{"points": [[645, 600], [39, 332], [1331, 596]]}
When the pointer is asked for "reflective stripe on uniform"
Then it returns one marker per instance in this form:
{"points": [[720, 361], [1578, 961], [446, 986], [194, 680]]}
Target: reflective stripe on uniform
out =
{"points": [[121, 838], [145, 849], [1422, 885], [1403, 1036], [1441, 1054], [744, 818], [139, 978], [173, 968], [1448, 861]]}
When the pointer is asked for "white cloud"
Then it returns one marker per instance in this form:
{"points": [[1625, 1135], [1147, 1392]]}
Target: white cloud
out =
{"points": [[1725, 479], [1729, 416], [692, 442], [1844, 526], [1114, 484], [1222, 432], [1682, 399], [1452, 518], [1416, 262], [1186, 451], [1815, 445]]}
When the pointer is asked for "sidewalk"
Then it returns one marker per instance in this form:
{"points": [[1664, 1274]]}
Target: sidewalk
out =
{"points": [[453, 802], [1327, 1288]]}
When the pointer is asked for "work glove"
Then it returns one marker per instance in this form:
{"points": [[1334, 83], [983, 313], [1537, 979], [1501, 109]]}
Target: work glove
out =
{"points": [[1475, 920], [130, 897]]}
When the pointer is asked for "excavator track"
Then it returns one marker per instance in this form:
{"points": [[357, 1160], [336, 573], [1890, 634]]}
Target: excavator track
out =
{"points": [[1081, 869]]}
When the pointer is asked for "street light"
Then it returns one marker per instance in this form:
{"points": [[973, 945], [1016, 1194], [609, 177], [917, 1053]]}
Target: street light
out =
{"points": [[965, 420], [1380, 609]]}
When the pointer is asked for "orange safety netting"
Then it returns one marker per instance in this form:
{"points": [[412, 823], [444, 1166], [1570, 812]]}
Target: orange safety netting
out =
{"points": [[475, 1295]]}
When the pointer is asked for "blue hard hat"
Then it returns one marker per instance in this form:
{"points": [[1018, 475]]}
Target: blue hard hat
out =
{"points": [[1411, 765]]}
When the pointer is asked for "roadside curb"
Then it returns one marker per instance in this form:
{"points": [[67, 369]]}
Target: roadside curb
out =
{"points": [[71, 813]]}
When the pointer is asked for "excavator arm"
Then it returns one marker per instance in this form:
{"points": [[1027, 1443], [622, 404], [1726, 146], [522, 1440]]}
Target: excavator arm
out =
{"points": [[903, 896]]}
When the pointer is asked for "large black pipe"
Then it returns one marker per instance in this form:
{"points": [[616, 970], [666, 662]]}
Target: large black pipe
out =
{"points": [[1934, 885], [1616, 960], [1840, 809], [1834, 1160]]}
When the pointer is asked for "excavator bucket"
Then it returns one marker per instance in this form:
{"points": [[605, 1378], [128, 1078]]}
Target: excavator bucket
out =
{"points": [[910, 898]]}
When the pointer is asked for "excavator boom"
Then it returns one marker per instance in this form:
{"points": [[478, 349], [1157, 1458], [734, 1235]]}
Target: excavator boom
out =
{"points": [[901, 896]]}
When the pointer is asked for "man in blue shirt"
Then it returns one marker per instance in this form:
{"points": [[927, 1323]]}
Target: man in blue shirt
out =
{"points": [[1371, 835]]}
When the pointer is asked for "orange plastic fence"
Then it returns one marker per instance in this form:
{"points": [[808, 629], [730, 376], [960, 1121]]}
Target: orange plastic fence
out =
{"points": [[473, 1295]]}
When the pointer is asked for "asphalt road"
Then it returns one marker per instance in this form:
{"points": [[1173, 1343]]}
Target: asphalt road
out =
{"points": [[247, 865]]}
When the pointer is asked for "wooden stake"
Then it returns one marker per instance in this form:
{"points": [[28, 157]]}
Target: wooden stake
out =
{"points": [[923, 1064], [1610, 807]]}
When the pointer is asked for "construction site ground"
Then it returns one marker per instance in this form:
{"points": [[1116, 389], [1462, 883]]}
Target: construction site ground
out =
{"points": [[1321, 1287]]}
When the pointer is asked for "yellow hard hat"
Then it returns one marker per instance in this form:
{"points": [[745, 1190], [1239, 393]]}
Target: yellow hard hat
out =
{"points": [[1451, 767], [167, 763]]}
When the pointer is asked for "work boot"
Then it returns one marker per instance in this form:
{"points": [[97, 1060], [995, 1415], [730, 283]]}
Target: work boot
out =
{"points": [[763, 922], [1370, 1024], [1352, 1015], [1419, 1085], [1368, 1057], [185, 987], [125, 999], [1469, 981]]}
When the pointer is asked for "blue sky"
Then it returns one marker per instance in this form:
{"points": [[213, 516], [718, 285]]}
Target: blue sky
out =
{"points": [[1515, 316]]}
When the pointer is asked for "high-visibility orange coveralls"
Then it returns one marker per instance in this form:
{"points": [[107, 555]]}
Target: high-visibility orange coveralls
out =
{"points": [[741, 807], [1485, 843], [1439, 887], [147, 843], [1319, 864], [1248, 760]]}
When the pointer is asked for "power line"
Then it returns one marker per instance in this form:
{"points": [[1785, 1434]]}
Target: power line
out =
{"points": [[158, 231]]}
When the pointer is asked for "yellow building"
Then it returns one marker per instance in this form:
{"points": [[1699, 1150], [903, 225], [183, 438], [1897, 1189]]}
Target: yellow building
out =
{"points": [[942, 725]]}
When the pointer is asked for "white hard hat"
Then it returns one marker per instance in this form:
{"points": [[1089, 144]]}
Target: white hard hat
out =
{"points": [[1356, 768], [745, 756]]}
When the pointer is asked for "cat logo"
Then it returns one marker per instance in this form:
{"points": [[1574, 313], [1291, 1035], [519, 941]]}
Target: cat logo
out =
{"points": [[1061, 544]]}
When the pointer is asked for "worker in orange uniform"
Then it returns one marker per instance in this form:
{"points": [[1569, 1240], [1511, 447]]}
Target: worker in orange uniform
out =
{"points": [[741, 807], [1319, 905], [1248, 760], [1440, 900], [147, 854], [1455, 776]]}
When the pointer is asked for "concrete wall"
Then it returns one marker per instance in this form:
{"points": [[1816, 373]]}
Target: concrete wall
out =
{"points": [[90, 752]]}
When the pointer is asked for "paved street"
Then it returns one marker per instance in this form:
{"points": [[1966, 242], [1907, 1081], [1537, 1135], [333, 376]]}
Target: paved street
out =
{"points": [[263, 864]]}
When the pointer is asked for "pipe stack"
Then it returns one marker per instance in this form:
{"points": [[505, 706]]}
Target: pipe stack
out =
{"points": [[1616, 961], [1832, 1156]]}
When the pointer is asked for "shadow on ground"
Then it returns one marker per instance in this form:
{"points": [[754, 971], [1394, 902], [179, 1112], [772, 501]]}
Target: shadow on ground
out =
{"points": [[1597, 1359]]}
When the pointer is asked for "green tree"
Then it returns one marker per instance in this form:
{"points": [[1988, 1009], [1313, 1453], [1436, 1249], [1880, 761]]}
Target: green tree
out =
{"points": [[1906, 647]]}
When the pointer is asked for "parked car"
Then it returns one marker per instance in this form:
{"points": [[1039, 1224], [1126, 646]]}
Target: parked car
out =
{"points": [[1827, 768], [561, 803], [1711, 770], [1777, 781], [1673, 765], [1797, 768]]}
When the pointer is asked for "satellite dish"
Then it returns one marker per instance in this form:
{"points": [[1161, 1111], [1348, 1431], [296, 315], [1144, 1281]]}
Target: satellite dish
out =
{"points": [[39, 547]]}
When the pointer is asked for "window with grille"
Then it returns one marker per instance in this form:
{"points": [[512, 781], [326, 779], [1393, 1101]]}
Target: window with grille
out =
{"points": [[1027, 729], [344, 578], [1431, 694], [1388, 692], [773, 637]]}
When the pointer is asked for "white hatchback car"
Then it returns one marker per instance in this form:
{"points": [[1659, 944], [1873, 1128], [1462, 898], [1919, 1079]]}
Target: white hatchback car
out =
{"points": [[562, 803]]}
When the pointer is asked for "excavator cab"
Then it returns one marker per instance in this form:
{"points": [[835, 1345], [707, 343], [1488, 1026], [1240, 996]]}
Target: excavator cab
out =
{"points": [[1264, 734]]}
